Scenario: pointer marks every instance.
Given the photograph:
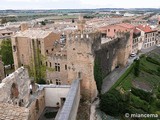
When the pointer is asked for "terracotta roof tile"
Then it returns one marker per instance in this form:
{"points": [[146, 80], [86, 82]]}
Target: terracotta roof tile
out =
{"points": [[145, 28]]}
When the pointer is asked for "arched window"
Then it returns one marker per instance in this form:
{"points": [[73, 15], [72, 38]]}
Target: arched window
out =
{"points": [[14, 91]]}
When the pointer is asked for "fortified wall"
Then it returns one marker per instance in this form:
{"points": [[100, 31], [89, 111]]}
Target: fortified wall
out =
{"points": [[113, 54]]}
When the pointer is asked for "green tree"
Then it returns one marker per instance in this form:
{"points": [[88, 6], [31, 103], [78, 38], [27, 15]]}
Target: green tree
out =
{"points": [[137, 68], [6, 52], [43, 23], [3, 21], [112, 103], [37, 68]]}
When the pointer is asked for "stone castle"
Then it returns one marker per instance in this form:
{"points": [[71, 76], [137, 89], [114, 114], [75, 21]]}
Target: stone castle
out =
{"points": [[71, 54]]}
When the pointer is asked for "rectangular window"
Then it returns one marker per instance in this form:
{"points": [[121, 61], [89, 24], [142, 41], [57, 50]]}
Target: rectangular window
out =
{"points": [[57, 67], [58, 82], [39, 42], [65, 67], [50, 64]]}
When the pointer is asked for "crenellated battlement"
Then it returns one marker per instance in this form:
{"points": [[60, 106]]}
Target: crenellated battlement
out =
{"points": [[83, 36]]}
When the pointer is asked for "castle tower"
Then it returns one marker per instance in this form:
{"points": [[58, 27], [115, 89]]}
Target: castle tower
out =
{"points": [[81, 23], [80, 59]]}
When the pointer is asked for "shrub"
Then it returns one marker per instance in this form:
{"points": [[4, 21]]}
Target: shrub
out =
{"points": [[158, 103], [112, 103], [158, 69], [147, 96], [41, 81], [143, 56], [149, 59], [137, 68], [138, 103], [158, 95]]}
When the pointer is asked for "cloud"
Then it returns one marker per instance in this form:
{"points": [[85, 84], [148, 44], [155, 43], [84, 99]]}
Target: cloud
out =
{"points": [[76, 4]]}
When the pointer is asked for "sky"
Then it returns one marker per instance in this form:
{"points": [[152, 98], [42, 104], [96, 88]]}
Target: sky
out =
{"points": [[77, 4]]}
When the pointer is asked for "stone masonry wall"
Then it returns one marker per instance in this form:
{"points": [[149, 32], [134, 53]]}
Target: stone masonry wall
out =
{"points": [[14, 89]]}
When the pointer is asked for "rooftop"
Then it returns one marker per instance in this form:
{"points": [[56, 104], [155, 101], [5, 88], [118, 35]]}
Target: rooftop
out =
{"points": [[33, 34], [145, 28], [126, 25]]}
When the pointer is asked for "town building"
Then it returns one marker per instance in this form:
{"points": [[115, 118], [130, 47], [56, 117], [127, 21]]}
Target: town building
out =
{"points": [[5, 34], [148, 36], [139, 22], [29, 43], [112, 31]]}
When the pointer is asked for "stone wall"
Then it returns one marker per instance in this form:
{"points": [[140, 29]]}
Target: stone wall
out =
{"points": [[37, 105], [112, 54], [14, 89], [61, 75]]}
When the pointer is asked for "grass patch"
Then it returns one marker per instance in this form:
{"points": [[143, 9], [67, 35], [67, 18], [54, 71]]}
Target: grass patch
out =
{"points": [[122, 78]]}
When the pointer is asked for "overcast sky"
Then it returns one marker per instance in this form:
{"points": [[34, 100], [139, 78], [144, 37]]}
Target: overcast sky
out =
{"points": [[77, 4]]}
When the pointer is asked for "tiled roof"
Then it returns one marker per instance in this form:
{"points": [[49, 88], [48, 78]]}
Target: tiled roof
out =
{"points": [[145, 28], [126, 25], [136, 31]]}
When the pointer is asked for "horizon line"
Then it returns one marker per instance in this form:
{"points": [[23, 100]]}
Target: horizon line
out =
{"points": [[77, 8]]}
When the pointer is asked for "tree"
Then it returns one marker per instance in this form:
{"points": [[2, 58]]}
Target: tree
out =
{"points": [[3, 21], [137, 68], [43, 23], [37, 67], [6, 52], [112, 103]]}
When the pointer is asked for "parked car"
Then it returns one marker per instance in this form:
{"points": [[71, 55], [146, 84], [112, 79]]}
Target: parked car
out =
{"points": [[158, 45], [133, 54]]}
